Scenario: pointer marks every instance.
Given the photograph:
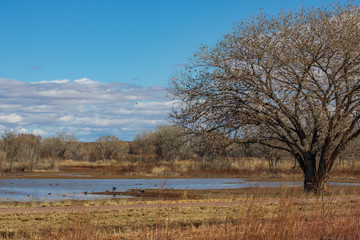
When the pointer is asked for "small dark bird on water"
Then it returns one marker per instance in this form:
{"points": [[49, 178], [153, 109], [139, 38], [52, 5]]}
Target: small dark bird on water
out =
{"points": [[114, 188]]}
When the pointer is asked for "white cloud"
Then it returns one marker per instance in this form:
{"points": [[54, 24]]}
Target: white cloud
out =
{"points": [[12, 118], [65, 119], [85, 81], [21, 130], [52, 81], [84, 107], [39, 132]]}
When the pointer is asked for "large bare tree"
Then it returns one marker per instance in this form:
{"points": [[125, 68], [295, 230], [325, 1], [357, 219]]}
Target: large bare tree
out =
{"points": [[289, 81]]}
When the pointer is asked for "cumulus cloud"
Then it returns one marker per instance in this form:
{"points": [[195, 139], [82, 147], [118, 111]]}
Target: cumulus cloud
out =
{"points": [[86, 108]]}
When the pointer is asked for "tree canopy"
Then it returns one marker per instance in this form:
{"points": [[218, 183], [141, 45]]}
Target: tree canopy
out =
{"points": [[291, 82]]}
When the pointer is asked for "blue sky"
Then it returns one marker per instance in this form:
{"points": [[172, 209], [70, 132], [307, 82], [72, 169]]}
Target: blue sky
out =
{"points": [[94, 68]]}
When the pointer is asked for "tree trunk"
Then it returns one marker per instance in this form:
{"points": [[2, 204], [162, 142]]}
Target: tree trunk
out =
{"points": [[54, 163], [11, 161], [310, 172], [315, 179], [320, 184], [2, 164]]}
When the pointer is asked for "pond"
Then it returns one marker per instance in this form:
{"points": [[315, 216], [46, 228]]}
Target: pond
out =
{"points": [[77, 189]]}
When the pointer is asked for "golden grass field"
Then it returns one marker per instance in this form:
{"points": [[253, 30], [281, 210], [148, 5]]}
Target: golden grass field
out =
{"points": [[256, 213]]}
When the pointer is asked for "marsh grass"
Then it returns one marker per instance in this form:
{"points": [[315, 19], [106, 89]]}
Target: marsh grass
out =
{"points": [[261, 214], [225, 167], [285, 219], [250, 168]]}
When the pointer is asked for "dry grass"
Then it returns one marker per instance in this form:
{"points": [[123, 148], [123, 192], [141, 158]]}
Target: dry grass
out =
{"points": [[250, 168], [226, 167], [187, 168], [266, 213], [289, 215]]}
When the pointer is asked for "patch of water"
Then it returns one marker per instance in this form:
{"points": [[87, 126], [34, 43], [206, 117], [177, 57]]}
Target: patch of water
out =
{"points": [[78, 189]]}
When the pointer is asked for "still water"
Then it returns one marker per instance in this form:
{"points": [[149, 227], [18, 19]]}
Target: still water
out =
{"points": [[64, 189]]}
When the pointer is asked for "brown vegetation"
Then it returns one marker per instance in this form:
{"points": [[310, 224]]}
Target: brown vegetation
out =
{"points": [[261, 214], [202, 156]]}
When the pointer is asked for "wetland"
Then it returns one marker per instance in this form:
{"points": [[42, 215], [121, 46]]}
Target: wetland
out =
{"points": [[91, 189]]}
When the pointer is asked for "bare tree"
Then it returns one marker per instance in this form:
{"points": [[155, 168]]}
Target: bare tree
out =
{"points": [[2, 163], [108, 146], [75, 150], [29, 149], [22, 149], [10, 147], [58, 145], [143, 145], [168, 141], [210, 146], [290, 82]]}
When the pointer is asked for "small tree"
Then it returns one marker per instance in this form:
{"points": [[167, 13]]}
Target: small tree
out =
{"points": [[75, 150], [290, 82], [10, 146], [108, 146], [143, 145], [168, 141], [29, 149], [57, 146], [22, 149], [2, 163], [210, 146]]}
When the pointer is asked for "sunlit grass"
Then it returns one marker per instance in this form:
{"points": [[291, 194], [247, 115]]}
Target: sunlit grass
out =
{"points": [[288, 214], [258, 213]]}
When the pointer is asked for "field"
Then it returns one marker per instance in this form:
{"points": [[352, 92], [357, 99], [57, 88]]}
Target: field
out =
{"points": [[254, 213]]}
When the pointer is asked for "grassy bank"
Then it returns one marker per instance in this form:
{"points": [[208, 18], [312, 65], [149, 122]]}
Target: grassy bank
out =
{"points": [[276, 213]]}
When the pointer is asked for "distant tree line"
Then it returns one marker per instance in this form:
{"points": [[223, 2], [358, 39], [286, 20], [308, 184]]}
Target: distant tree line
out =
{"points": [[26, 152]]}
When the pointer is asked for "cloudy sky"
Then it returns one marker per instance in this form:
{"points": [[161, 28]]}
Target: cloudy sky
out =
{"points": [[100, 67]]}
